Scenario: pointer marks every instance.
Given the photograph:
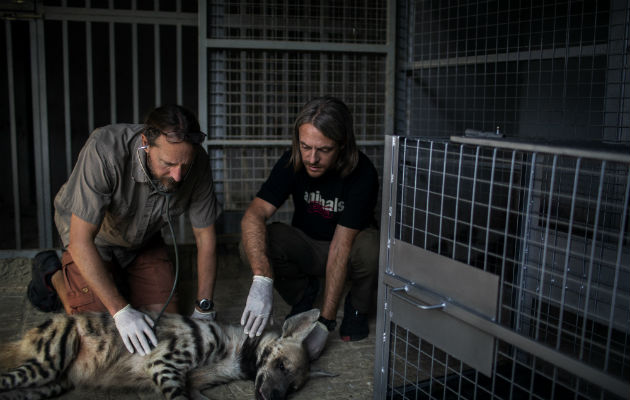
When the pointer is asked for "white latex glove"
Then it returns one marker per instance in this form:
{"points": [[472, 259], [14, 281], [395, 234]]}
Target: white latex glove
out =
{"points": [[258, 307], [316, 340], [135, 328], [208, 316]]}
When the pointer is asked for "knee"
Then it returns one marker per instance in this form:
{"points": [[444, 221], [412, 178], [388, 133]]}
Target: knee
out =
{"points": [[277, 235], [365, 250]]}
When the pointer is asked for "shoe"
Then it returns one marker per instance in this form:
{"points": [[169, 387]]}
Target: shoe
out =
{"points": [[354, 325], [308, 299], [41, 292]]}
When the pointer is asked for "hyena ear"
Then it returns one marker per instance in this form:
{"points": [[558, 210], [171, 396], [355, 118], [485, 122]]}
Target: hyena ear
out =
{"points": [[300, 325]]}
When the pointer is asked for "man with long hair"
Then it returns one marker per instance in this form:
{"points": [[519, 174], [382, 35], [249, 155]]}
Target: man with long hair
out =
{"points": [[332, 236], [129, 181]]}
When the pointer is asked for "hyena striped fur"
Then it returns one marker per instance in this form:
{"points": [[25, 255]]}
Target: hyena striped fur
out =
{"points": [[86, 350]]}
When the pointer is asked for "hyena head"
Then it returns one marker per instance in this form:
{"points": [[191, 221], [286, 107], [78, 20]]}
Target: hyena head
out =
{"points": [[283, 363]]}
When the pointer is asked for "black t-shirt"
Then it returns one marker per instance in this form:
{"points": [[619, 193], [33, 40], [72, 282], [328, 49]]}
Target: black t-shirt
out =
{"points": [[322, 203]]}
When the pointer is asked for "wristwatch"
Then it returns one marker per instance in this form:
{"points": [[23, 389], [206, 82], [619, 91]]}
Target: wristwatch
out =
{"points": [[205, 305], [330, 324]]}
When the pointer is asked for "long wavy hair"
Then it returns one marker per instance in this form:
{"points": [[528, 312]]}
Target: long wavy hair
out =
{"points": [[331, 117]]}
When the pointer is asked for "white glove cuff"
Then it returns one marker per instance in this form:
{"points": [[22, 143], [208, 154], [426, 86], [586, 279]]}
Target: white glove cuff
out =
{"points": [[122, 310], [263, 279]]}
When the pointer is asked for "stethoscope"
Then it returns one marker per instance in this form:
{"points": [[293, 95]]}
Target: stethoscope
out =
{"points": [[167, 196]]}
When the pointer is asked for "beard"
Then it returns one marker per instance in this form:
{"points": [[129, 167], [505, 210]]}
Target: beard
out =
{"points": [[166, 185]]}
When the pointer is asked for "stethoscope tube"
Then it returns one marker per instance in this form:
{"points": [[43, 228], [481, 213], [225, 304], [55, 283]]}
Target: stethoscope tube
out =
{"points": [[167, 196]]}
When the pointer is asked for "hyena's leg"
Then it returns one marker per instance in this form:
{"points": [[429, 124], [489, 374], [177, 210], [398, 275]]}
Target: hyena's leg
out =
{"points": [[47, 391], [168, 367], [170, 378], [48, 350]]}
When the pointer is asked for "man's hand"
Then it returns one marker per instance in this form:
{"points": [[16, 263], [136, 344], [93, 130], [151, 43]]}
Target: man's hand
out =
{"points": [[135, 328], [258, 307], [207, 316], [316, 341]]}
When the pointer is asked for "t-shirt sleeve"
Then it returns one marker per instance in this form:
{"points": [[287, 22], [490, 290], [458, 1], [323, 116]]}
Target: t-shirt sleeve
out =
{"points": [[88, 190], [277, 188], [204, 207], [361, 197]]}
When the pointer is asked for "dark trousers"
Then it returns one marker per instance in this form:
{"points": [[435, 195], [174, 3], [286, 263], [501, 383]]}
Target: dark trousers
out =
{"points": [[296, 258]]}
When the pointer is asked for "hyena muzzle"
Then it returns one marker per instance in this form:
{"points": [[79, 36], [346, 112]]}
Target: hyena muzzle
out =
{"points": [[86, 351]]}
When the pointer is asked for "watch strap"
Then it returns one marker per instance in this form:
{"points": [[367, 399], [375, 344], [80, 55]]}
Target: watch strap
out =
{"points": [[330, 324]]}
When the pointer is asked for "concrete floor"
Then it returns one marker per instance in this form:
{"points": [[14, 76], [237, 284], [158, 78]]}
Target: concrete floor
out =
{"points": [[352, 362]]}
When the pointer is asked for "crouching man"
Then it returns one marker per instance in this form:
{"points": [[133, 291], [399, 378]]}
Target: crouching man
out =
{"points": [[128, 182], [332, 236]]}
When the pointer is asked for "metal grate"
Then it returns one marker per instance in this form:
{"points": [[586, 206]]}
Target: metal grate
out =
{"points": [[70, 68], [554, 69], [256, 94], [420, 370], [306, 21], [267, 59], [553, 223]]}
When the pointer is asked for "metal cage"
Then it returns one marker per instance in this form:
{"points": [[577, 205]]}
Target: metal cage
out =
{"points": [[505, 271]]}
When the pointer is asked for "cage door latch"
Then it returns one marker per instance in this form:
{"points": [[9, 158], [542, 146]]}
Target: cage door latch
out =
{"points": [[416, 304]]}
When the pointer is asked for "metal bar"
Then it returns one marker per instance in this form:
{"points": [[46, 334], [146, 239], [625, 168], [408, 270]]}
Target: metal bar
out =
{"points": [[89, 75], [134, 73], [472, 203], [246, 44], [179, 63], [157, 62], [202, 68], [614, 153], [402, 194], [545, 54], [66, 98], [587, 297], [40, 133], [405, 288], [490, 192], [415, 192], [525, 240], [543, 263], [17, 212], [568, 248], [506, 236], [390, 68], [459, 176], [429, 175], [112, 74], [387, 233], [179, 89], [442, 198]]}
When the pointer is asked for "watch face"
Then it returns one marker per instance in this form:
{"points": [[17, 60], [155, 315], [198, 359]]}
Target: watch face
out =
{"points": [[205, 304]]}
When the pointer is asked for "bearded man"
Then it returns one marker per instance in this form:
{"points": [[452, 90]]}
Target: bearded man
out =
{"points": [[129, 181]]}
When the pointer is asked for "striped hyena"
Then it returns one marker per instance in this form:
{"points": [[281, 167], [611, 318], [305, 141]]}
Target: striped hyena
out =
{"points": [[86, 350]]}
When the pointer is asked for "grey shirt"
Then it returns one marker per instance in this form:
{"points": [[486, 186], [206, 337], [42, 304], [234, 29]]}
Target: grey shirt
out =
{"points": [[109, 188]]}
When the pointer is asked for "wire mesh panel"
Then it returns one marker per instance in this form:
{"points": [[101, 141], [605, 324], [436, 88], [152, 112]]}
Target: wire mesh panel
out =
{"points": [[553, 223], [256, 94], [312, 21], [267, 59], [555, 69]]}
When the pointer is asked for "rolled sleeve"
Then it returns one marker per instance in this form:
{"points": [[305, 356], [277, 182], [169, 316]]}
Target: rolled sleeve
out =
{"points": [[87, 193]]}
